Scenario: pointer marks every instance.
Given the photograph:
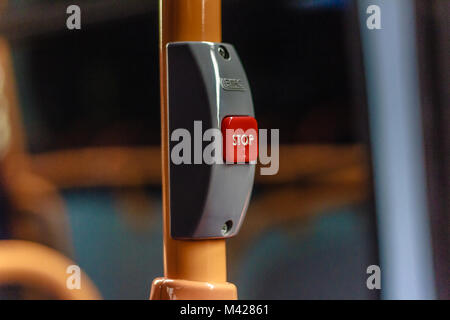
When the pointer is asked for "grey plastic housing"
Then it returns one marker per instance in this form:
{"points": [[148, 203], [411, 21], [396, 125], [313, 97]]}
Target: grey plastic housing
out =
{"points": [[205, 86]]}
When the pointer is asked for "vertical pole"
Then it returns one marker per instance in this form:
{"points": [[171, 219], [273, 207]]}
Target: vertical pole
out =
{"points": [[398, 157], [194, 264]]}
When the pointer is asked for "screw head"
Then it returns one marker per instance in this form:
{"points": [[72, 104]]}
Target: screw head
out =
{"points": [[226, 228], [224, 52]]}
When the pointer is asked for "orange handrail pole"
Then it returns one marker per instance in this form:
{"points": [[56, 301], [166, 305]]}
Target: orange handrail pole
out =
{"points": [[192, 269], [34, 265], [187, 20]]}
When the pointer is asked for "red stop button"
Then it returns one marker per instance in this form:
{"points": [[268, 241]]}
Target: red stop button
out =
{"points": [[240, 139]]}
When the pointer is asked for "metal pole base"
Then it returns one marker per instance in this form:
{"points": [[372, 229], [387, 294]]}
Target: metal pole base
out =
{"points": [[169, 289]]}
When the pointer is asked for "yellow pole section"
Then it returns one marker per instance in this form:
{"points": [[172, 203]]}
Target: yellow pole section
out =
{"points": [[187, 20]]}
